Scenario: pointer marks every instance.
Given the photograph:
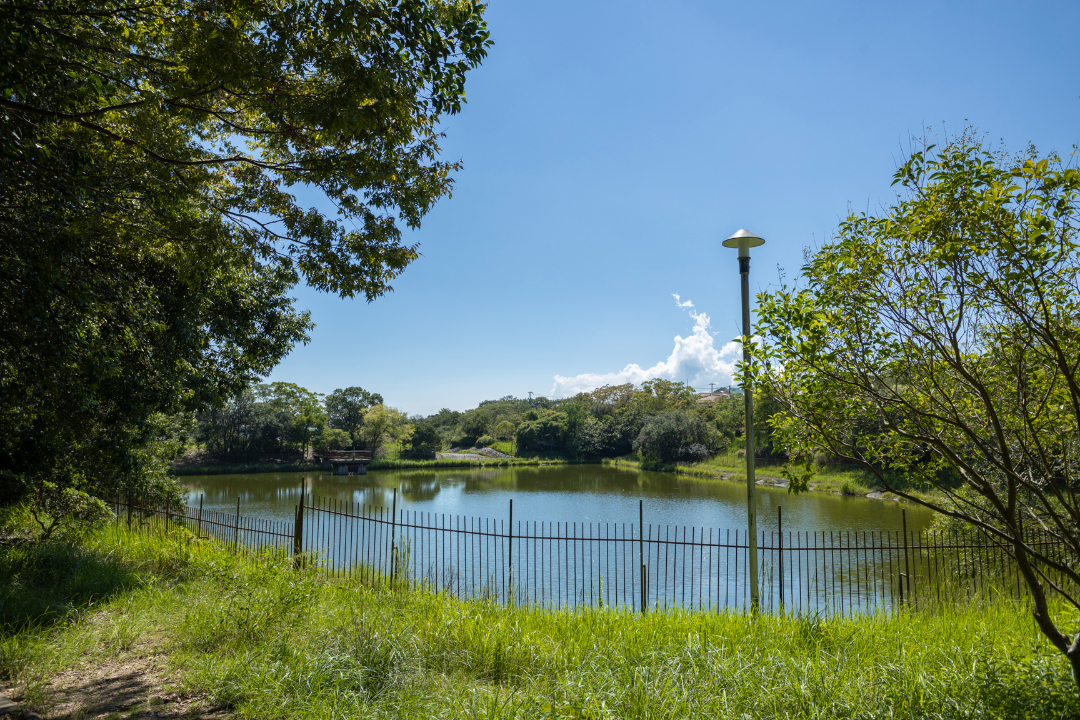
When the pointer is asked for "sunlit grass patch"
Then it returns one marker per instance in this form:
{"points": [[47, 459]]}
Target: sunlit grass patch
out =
{"points": [[257, 636]]}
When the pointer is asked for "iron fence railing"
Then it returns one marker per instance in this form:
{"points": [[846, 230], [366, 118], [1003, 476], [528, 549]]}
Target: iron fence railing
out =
{"points": [[633, 566]]}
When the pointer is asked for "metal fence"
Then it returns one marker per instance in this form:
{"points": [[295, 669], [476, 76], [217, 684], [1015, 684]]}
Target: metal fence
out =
{"points": [[633, 566]]}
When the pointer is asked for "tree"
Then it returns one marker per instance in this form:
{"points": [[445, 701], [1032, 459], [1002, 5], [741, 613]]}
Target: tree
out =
{"points": [[659, 395], [224, 106], [347, 408], [546, 432], [940, 340], [425, 438], [766, 443], [148, 234], [264, 420], [331, 439], [381, 422], [504, 430], [475, 423], [676, 435], [444, 421], [607, 399], [729, 415], [297, 414]]}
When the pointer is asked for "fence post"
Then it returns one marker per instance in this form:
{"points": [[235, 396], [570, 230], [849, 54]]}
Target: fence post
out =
{"points": [[907, 561], [510, 554], [298, 526], [780, 552], [393, 540], [129, 511], [236, 538], [198, 531], [641, 555]]}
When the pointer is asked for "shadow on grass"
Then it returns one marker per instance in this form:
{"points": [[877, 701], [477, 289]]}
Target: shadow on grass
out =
{"points": [[44, 583]]}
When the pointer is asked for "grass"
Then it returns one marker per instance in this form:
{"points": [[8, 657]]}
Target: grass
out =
{"points": [[266, 641], [391, 463], [729, 466], [381, 464]]}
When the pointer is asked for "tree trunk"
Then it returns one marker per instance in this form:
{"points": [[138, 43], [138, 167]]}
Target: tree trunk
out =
{"points": [[1069, 647], [1073, 653]]}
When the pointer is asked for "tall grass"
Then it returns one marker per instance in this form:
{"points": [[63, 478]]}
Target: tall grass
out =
{"points": [[255, 635]]}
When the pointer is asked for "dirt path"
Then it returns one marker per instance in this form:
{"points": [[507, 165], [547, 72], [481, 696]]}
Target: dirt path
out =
{"points": [[136, 685]]}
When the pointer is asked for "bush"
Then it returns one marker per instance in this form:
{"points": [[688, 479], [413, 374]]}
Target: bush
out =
{"points": [[547, 432], [484, 441], [695, 452], [425, 438], [55, 507], [676, 435]]}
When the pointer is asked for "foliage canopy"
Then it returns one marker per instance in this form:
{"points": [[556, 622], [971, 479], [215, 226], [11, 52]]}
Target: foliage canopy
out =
{"points": [[940, 341], [154, 158]]}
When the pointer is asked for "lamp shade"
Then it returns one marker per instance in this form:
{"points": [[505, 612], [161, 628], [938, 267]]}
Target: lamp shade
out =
{"points": [[744, 239]]}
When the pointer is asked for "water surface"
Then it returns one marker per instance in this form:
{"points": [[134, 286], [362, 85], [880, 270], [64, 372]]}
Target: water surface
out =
{"points": [[558, 493], [576, 538]]}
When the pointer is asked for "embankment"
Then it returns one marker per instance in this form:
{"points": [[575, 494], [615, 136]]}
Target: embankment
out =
{"points": [[193, 626]]}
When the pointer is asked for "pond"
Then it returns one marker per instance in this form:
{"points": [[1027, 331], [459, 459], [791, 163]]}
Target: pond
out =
{"points": [[558, 493], [581, 535]]}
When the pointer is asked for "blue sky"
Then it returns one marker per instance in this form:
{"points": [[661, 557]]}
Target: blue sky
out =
{"points": [[608, 149]]}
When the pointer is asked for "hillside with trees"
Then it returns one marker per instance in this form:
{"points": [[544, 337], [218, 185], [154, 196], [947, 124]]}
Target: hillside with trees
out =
{"points": [[660, 422]]}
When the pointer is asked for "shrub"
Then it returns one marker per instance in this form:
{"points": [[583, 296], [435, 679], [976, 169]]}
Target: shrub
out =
{"points": [[546, 432], [484, 441], [676, 435], [695, 452], [425, 438], [55, 507]]}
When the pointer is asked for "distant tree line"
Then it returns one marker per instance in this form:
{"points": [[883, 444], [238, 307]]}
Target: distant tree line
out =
{"points": [[661, 421], [284, 420]]}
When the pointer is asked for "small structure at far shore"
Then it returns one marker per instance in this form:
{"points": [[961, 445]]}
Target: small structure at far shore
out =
{"points": [[345, 462]]}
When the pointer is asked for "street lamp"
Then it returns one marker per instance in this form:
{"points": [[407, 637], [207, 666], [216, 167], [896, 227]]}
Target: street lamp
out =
{"points": [[744, 240]]}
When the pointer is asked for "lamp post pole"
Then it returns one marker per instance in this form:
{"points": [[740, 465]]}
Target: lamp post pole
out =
{"points": [[744, 240]]}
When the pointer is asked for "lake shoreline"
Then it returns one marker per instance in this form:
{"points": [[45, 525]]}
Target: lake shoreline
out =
{"points": [[595, 492], [713, 474], [378, 464], [703, 472]]}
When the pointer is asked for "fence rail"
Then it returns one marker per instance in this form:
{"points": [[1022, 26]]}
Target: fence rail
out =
{"points": [[633, 566]]}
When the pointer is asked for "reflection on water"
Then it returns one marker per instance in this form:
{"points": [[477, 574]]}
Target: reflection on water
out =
{"points": [[573, 493], [576, 538]]}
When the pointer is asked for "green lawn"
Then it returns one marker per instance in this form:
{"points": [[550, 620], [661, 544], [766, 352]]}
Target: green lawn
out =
{"points": [[266, 641]]}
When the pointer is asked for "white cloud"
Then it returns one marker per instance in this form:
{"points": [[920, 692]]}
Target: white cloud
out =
{"points": [[686, 304], [694, 358]]}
